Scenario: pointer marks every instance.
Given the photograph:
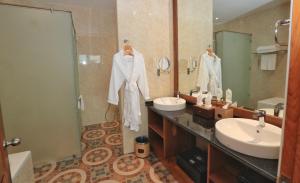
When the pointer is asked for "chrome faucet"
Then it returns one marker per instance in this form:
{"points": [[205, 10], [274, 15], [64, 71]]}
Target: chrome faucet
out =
{"points": [[277, 108], [261, 114], [178, 95]]}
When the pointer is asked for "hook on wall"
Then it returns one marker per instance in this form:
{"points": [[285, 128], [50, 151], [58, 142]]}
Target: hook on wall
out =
{"points": [[125, 41]]}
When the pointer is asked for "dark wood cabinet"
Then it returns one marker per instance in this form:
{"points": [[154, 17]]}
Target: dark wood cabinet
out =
{"points": [[167, 140]]}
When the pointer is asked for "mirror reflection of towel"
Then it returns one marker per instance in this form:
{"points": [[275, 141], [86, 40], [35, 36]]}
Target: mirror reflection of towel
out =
{"points": [[268, 62]]}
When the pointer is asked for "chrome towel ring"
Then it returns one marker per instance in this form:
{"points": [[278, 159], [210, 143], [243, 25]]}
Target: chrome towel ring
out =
{"points": [[278, 23]]}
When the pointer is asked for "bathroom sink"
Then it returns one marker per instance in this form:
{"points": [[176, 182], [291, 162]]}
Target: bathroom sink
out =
{"points": [[247, 137], [270, 111], [169, 103]]}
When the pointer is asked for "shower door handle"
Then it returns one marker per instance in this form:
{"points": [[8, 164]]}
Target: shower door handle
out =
{"points": [[12, 142]]}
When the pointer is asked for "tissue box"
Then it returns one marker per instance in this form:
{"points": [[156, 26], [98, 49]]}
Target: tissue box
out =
{"points": [[221, 113]]}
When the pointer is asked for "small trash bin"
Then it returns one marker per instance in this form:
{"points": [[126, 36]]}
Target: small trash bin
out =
{"points": [[142, 147]]}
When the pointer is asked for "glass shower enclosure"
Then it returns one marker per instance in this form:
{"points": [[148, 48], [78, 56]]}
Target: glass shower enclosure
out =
{"points": [[235, 50], [38, 81]]}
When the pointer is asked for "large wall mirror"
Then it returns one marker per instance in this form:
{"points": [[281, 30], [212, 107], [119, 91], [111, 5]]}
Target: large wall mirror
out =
{"points": [[222, 46]]}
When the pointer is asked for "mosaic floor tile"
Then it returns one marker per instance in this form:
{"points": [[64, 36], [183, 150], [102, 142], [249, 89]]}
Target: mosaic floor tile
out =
{"points": [[93, 134], [140, 178], [70, 176], [100, 172], [68, 163], [159, 173], [103, 161], [97, 156], [152, 158], [128, 164], [91, 127], [112, 130], [109, 181], [113, 124], [95, 143], [43, 171], [117, 150], [113, 139]]}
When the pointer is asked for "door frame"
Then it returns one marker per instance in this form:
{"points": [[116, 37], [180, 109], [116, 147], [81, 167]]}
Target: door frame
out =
{"points": [[290, 155], [4, 163]]}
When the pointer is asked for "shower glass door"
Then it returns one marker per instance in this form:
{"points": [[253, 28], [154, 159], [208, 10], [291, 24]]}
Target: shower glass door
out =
{"points": [[235, 50], [38, 81]]}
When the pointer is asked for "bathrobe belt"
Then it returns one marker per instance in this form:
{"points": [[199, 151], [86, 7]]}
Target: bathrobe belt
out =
{"points": [[131, 86]]}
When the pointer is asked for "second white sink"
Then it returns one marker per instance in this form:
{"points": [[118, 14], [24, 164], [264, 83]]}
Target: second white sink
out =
{"points": [[169, 103], [245, 136]]}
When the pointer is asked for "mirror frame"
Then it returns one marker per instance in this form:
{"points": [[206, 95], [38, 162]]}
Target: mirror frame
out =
{"points": [[175, 46]]}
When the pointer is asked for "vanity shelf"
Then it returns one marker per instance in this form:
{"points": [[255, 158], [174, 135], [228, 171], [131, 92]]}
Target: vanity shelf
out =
{"points": [[166, 141], [156, 128], [156, 123], [156, 143], [166, 138]]}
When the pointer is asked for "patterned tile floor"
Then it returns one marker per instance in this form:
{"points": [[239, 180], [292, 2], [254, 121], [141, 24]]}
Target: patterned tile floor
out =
{"points": [[103, 161]]}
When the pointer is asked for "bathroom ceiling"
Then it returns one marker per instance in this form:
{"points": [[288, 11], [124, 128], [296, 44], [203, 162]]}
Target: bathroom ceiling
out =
{"points": [[226, 10]]}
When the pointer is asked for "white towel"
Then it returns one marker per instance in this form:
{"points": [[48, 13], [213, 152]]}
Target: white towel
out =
{"points": [[268, 62]]}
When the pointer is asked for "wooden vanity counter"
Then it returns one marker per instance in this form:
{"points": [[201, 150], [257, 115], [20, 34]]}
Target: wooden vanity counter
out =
{"points": [[173, 132]]}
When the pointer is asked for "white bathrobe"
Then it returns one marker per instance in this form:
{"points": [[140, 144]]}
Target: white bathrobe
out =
{"points": [[210, 74], [131, 70]]}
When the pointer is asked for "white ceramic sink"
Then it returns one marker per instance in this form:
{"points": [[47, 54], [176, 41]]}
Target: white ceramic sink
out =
{"points": [[169, 103], [245, 136], [270, 111]]}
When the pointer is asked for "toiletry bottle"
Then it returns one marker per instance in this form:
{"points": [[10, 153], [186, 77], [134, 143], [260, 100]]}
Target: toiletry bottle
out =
{"points": [[228, 96], [219, 94], [200, 99], [208, 100]]}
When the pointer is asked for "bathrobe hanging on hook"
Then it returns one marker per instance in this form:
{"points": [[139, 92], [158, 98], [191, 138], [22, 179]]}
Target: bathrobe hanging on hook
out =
{"points": [[210, 74], [131, 70]]}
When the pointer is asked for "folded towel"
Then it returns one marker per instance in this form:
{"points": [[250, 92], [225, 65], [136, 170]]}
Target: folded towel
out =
{"points": [[268, 62]]}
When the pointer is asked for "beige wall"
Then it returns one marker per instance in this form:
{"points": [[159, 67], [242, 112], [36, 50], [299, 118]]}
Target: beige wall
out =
{"points": [[96, 28], [263, 84], [147, 24], [195, 34]]}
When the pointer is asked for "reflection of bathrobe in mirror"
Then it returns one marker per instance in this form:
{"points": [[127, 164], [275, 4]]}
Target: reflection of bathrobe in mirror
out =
{"points": [[210, 74], [130, 69]]}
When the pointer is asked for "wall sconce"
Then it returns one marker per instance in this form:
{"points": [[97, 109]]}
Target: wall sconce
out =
{"points": [[192, 65], [163, 65]]}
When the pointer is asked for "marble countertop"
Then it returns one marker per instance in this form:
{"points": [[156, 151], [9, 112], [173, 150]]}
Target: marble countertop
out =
{"points": [[184, 119]]}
